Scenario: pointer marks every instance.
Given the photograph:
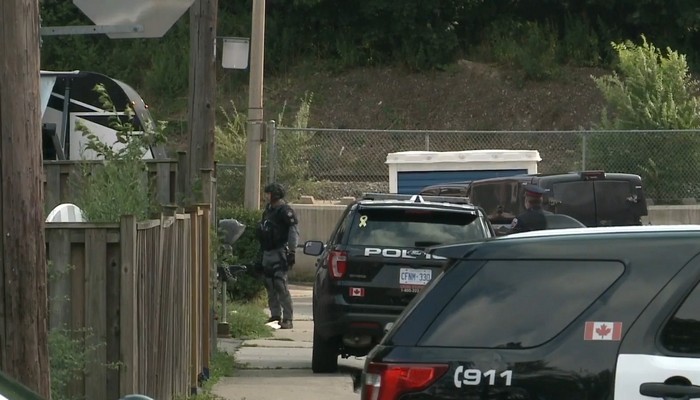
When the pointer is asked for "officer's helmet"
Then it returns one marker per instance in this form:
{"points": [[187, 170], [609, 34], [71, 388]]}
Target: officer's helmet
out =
{"points": [[276, 190]]}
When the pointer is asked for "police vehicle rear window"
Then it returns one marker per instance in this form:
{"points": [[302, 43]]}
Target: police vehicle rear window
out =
{"points": [[413, 227], [519, 304], [681, 334]]}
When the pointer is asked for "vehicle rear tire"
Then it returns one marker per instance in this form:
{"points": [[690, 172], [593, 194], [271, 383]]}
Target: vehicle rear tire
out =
{"points": [[324, 355]]}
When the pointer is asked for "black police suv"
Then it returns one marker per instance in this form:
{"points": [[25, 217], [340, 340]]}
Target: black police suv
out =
{"points": [[375, 262], [587, 313]]}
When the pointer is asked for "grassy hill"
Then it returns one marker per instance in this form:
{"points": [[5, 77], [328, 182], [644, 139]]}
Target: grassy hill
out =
{"points": [[466, 96]]}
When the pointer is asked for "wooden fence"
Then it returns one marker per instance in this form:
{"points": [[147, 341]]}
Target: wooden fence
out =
{"points": [[163, 177], [141, 288]]}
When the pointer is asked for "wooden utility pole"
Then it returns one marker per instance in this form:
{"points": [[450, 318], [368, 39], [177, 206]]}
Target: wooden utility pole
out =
{"points": [[202, 121], [256, 124], [23, 292], [202, 92], [254, 135]]}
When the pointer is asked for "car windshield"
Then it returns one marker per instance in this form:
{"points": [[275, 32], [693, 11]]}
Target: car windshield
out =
{"points": [[413, 227]]}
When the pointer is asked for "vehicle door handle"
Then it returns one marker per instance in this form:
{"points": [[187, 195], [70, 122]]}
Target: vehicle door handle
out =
{"points": [[666, 391]]}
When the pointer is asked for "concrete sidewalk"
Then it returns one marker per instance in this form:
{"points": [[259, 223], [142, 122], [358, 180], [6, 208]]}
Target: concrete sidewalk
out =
{"points": [[279, 367]]}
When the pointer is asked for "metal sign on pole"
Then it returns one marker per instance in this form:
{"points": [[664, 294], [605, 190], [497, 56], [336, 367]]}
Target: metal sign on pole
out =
{"points": [[235, 52], [89, 30], [125, 19]]}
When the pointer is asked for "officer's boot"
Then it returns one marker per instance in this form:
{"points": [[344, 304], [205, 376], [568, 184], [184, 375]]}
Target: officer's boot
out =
{"points": [[286, 324]]}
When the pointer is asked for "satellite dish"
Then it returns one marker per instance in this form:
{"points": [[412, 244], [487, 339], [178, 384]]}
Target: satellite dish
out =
{"points": [[156, 16], [66, 212]]}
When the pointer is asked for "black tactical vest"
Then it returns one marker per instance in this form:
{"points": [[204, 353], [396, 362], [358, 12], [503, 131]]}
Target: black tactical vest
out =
{"points": [[273, 229]]}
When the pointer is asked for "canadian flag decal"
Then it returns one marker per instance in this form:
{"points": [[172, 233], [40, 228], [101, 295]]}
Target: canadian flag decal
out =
{"points": [[603, 331], [357, 292]]}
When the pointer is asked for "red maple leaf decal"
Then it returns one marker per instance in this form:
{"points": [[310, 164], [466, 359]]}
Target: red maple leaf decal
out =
{"points": [[603, 330]]}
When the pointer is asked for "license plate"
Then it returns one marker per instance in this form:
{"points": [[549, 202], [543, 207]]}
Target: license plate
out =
{"points": [[415, 277]]}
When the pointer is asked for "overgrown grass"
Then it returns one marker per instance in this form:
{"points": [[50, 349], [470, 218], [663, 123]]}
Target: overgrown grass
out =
{"points": [[222, 365], [247, 319], [292, 157]]}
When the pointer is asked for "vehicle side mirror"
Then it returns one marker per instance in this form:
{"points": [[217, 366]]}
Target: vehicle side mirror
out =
{"points": [[313, 247]]}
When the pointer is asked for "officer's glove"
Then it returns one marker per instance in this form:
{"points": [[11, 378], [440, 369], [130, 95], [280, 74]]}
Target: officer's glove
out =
{"points": [[224, 274], [291, 259]]}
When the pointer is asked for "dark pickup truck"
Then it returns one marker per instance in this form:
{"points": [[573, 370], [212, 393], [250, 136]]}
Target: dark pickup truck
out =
{"points": [[595, 198]]}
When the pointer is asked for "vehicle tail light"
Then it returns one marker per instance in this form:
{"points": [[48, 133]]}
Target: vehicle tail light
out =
{"points": [[390, 381], [338, 264], [592, 175]]}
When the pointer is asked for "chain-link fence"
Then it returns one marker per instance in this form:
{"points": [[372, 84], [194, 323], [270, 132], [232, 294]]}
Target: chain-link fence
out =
{"points": [[331, 163], [230, 180]]}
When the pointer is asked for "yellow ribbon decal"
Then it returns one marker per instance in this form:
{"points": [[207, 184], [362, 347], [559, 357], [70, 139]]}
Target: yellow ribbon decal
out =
{"points": [[363, 221]]}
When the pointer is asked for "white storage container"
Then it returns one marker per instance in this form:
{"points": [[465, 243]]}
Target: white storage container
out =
{"points": [[410, 171]]}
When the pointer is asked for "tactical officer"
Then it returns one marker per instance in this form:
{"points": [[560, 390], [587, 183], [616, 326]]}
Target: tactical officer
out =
{"points": [[278, 234], [533, 218]]}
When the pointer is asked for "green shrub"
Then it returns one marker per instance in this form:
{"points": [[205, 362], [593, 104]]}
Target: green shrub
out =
{"points": [[118, 185], [67, 361], [527, 46], [71, 351], [246, 250], [499, 41], [70, 357], [580, 44], [650, 91], [230, 149], [222, 365], [292, 155], [294, 150], [168, 75], [537, 50]]}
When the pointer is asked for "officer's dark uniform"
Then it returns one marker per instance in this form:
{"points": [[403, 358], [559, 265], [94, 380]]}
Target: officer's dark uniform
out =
{"points": [[533, 219], [278, 234]]}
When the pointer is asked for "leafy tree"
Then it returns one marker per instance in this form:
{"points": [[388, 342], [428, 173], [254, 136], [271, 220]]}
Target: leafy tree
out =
{"points": [[420, 34], [650, 91]]}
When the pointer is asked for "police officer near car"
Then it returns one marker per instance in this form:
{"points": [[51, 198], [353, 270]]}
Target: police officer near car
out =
{"points": [[534, 218], [278, 234]]}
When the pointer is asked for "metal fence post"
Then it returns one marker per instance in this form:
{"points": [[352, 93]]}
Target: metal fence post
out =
{"points": [[427, 141], [271, 151], [583, 151]]}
